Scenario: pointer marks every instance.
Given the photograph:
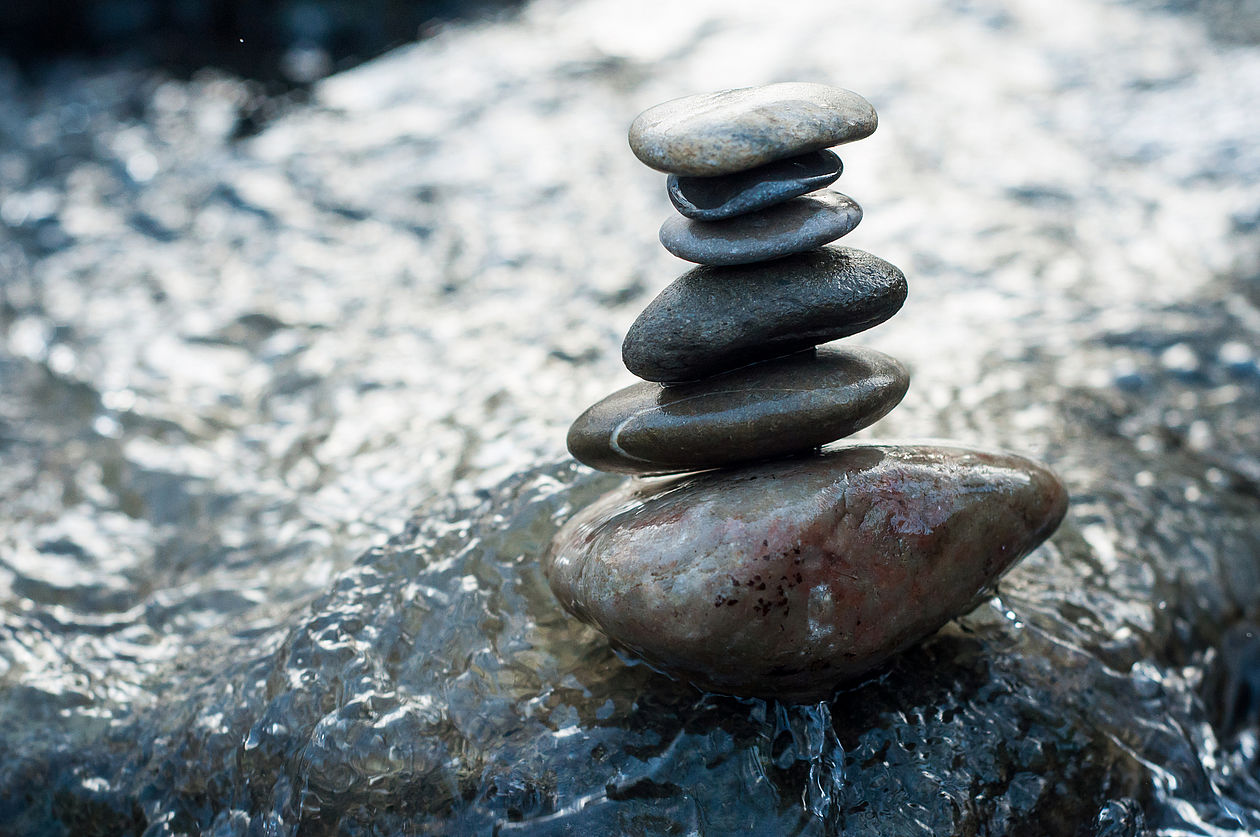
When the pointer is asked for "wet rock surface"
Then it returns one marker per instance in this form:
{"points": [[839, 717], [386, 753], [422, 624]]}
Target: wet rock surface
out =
{"points": [[712, 319], [716, 198], [798, 225], [710, 134], [231, 365], [793, 577], [775, 408]]}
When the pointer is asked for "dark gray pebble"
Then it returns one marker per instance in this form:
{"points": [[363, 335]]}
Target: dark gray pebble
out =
{"points": [[766, 410], [801, 224], [712, 319], [716, 198], [732, 130]]}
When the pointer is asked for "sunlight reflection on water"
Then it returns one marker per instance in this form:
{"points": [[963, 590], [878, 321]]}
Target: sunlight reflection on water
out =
{"points": [[229, 367]]}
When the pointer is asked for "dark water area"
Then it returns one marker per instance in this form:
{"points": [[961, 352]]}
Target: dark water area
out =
{"points": [[279, 42], [282, 414]]}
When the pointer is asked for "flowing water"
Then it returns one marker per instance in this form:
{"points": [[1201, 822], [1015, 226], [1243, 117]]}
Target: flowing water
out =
{"points": [[282, 420]]}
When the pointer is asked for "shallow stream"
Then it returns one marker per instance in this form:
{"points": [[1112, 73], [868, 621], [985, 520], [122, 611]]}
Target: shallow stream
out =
{"points": [[282, 422]]}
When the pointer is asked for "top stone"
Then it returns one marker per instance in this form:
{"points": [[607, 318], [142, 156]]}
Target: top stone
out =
{"points": [[720, 133]]}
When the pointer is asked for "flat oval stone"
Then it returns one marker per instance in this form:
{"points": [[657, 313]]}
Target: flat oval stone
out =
{"points": [[732, 130], [770, 409], [716, 198], [713, 319], [801, 224], [787, 579]]}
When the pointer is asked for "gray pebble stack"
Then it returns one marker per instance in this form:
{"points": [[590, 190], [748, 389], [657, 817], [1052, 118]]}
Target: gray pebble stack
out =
{"points": [[729, 349], [781, 570]]}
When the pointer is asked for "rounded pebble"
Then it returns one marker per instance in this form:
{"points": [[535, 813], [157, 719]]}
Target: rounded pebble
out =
{"points": [[777, 408], [720, 133], [717, 198], [787, 579], [801, 224], [713, 319]]}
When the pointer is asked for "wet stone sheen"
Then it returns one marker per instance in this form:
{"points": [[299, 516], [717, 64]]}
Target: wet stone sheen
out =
{"points": [[800, 224], [732, 130], [716, 198], [712, 319], [776, 408], [789, 578]]}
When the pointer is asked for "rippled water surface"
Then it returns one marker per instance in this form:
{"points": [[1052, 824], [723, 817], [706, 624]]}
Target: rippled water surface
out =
{"points": [[282, 421]]}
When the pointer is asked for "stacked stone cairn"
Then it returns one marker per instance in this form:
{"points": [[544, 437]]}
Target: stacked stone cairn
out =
{"points": [[778, 569]]}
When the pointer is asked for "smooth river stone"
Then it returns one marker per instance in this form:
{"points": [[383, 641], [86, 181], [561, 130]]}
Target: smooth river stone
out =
{"points": [[716, 198], [770, 409], [713, 319], [732, 130], [801, 224], [789, 578]]}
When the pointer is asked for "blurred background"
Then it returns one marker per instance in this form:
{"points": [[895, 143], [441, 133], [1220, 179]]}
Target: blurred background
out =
{"points": [[298, 298], [277, 41], [299, 41]]}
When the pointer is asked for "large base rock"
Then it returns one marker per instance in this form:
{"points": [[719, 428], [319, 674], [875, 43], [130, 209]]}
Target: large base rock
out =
{"points": [[788, 578]]}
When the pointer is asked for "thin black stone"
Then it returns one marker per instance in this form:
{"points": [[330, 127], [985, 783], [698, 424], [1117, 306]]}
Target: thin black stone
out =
{"points": [[716, 198]]}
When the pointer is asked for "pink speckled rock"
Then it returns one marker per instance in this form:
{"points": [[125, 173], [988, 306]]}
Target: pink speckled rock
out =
{"points": [[789, 578]]}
